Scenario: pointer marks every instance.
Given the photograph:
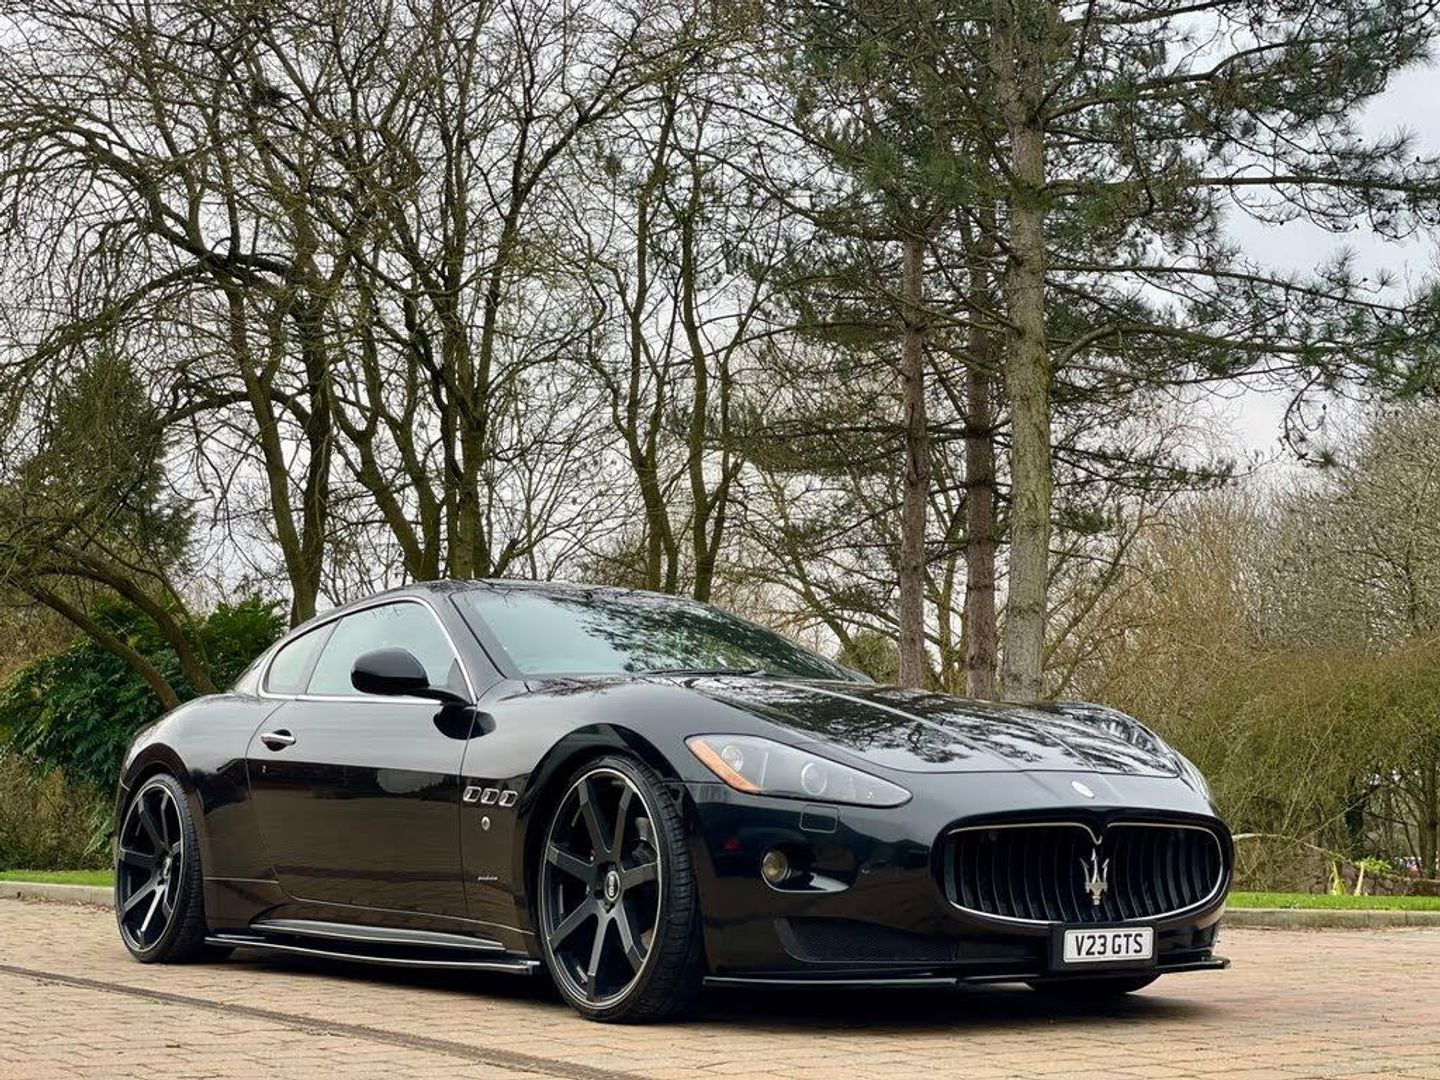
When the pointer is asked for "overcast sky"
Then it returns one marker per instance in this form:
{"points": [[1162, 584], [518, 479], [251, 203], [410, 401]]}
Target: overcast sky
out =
{"points": [[1408, 104]]}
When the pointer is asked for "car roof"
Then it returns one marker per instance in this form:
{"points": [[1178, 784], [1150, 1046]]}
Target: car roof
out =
{"points": [[453, 586]]}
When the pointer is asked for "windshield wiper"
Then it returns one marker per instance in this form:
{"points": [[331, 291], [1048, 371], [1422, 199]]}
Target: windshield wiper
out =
{"points": [[757, 672]]}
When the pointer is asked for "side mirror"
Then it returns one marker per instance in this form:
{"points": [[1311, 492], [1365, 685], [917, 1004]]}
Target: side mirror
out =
{"points": [[395, 672]]}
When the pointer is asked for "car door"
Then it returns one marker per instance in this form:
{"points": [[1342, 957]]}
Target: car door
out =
{"points": [[357, 796]]}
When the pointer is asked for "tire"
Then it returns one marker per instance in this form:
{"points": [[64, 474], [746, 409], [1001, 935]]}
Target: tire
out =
{"points": [[159, 897], [1093, 989], [614, 866]]}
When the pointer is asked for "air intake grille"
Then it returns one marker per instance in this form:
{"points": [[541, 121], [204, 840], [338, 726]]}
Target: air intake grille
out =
{"points": [[1057, 873], [848, 940]]}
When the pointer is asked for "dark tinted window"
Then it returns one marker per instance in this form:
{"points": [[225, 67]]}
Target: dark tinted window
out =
{"points": [[405, 625], [604, 632], [292, 663]]}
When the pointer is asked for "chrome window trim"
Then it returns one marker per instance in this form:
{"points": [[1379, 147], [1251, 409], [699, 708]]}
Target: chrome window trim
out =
{"points": [[403, 699], [1096, 838]]}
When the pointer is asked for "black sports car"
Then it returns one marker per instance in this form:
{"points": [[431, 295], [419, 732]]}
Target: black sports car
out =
{"points": [[641, 794]]}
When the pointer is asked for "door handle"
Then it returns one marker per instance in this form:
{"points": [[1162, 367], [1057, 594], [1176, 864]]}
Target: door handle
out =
{"points": [[278, 740]]}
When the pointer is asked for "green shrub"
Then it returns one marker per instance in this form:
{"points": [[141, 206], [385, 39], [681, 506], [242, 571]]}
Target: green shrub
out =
{"points": [[873, 653], [50, 822], [79, 708], [1327, 746]]}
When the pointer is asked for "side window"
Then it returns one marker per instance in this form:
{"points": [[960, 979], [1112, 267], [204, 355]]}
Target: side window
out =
{"points": [[407, 626], [293, 662]]}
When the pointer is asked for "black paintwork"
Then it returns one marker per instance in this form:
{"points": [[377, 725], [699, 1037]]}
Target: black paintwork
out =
{"points": [[361, 821], [395, 672]]}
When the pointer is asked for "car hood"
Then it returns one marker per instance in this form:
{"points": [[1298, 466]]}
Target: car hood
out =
{"points": [[915, 731]]}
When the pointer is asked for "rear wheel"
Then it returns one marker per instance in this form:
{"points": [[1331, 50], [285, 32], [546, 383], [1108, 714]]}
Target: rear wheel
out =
{"points": [[159, 904], [618, 906], [1094, 988]]}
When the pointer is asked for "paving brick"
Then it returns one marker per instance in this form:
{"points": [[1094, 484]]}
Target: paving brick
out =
{"points": [[1305, 1004]]}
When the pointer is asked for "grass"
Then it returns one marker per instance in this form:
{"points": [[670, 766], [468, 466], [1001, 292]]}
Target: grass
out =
{"points": [[1322, 900], [104, 878]]}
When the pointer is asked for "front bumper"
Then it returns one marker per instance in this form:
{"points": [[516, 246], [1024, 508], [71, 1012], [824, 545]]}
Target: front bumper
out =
{"points": [[938, 977], [873, 910]]}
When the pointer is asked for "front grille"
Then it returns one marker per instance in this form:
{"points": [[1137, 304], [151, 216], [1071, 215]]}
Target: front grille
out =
{"points": [[1053, 872]]}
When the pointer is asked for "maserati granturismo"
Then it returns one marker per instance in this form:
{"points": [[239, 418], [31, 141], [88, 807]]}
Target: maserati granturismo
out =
{"points": [[639, 795]]}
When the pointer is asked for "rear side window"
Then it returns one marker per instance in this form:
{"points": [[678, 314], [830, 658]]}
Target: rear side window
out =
{"points": [[290, 669], [406, 625]]}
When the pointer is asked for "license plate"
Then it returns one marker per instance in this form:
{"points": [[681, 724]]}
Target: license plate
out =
{"points": [[1108, 946]]}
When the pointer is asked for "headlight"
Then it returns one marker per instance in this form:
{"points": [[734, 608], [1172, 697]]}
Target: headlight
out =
{"points": [[761, 767]]}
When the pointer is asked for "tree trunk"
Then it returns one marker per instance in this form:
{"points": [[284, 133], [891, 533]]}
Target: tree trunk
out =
{"points": [[273, 453], [914, 665], [1019, 44], [465, 542], [1430, 819], [320, 446], [701, 502], [980, 542]]}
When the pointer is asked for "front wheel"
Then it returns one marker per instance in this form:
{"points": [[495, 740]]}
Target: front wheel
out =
{"points": [[618, 905], [159, 904], [1092, 989]]}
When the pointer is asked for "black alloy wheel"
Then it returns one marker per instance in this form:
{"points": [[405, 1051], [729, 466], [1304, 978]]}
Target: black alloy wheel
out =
{"points": [[617, 900], [158, 902]]}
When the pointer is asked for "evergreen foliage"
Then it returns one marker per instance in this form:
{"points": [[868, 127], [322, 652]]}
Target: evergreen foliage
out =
{"points": [[78, 709]]}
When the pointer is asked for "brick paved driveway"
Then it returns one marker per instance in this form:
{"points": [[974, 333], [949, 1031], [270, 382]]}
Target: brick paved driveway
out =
{"points": [[1327, 1003]]}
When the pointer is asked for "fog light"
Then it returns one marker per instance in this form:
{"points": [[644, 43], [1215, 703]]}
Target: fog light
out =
{"points": [[775, 866]]}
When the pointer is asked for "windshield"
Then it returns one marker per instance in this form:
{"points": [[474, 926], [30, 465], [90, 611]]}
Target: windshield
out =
{"points": [[602, 632]]}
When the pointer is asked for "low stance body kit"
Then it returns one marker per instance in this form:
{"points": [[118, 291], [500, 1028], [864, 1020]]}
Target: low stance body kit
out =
{"points": [[637, 794]]}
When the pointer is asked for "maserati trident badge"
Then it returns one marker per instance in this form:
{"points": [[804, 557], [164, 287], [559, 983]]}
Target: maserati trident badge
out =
{"points": [[1097, 876]]}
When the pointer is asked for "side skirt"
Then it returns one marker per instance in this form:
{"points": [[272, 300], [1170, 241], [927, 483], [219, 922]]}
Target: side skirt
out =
{"points": [[356, 935], [376, 945]]}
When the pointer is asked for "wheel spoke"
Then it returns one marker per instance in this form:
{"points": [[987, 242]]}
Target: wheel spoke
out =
{"points": [[622, 811], [637, 875], [155, 903], [573, 922], [131, 857], [629, 940], [166, 808], [591, 813], [151, 826], [136, 898], [597, 950], [573, 865]]}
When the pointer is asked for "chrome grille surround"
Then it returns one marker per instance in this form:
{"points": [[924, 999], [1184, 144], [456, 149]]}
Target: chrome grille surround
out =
{"points": [[1157, 870]]}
